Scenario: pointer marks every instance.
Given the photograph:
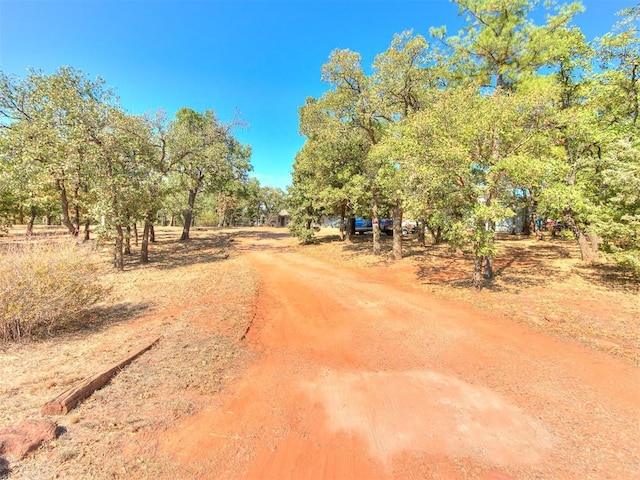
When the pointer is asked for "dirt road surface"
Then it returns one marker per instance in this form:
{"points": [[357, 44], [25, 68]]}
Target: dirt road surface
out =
{"points": [[362, 376]]}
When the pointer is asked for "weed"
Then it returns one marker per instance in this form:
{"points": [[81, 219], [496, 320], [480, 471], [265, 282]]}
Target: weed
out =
{"points": [[42, 284]]}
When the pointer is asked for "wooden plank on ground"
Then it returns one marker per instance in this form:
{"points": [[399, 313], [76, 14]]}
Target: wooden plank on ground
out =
{"points": [[68, 400]]}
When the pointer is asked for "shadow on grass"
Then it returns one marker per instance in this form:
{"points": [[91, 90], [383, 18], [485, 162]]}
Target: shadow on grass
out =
{"points": [[609, 276], [281, 234], [516, 266], [5, 471], [327, 239], [171, 253], [207, 245], [364, 244], [359, 244], [99, 318], [439, 265]]}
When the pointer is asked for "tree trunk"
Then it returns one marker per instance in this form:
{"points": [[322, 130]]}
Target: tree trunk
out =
{"points": [[586, 252], [343, 212], [86, 230], [127, 241], [397, 230], [595, 242], [488, 269], [64, 201], [351, 229], [376, 227], [135, 233], [588, 243], [144, 251], [436, 234], [152, 234], [526, 219], [421, 232], [118, 257], [188, 216], [76, 213], [477, 272], [32, 219], [533, 218], [222, 215]]}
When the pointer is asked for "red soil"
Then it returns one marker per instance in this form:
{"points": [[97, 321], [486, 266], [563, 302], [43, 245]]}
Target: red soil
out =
{"points": [[364, 376]]}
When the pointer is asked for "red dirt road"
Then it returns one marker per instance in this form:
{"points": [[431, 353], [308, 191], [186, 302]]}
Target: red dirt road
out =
{"points": [[364, 377]]}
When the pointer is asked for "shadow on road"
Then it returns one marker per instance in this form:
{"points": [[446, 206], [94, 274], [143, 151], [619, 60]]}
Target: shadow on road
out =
{"points": [[263, 240]]}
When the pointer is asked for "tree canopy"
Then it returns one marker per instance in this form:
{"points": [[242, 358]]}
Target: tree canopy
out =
{"points": [[507, 120], [68, 150]]}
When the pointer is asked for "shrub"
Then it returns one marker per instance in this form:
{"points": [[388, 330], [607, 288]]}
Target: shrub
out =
{"points": [[629, 260], [4, 225], [44, 283]]}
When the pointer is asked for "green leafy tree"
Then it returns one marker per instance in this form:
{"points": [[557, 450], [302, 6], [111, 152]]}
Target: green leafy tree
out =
{"points": [[122, 164], [46, 123], [206, 156], [467, 154], [616, 99], [355, 101], [271, 200], [403, 75], [328, 171], [500, 45], [250, 202]]}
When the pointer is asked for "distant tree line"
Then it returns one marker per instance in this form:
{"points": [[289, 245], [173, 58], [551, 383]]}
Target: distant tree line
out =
{"points": [[69, 152], [507, 117]]}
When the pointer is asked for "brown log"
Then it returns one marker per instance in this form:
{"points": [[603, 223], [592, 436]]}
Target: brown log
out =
{"points": [[69, 399]]}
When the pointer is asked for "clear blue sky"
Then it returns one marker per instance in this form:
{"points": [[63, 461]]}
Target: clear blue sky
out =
{"points": [[262, 57]]}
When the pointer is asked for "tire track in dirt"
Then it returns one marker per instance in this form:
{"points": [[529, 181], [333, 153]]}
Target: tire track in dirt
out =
{"points": [[361, 378]]}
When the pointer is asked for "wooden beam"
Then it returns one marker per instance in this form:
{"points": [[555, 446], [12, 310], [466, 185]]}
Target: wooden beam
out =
{"points": [[69, 399]]}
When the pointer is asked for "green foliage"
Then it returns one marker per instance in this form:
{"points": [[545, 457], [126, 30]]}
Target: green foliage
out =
{"points": [[302, 231], [460, 131], [500, 45], [7, 201], [508, 114], [44, 285], [48, 137], [629, 260], [207, 159], [65, 141], [271, 202]]}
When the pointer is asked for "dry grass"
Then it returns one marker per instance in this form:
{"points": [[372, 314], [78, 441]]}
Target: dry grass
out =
{"points": [[44, 283], [178, 295]]}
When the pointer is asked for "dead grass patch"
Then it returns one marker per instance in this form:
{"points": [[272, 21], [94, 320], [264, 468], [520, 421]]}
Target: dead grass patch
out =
{"points": [[43, 284], [199, 296]]}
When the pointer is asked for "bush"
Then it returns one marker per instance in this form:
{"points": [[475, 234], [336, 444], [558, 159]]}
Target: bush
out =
{"points": [[44, 283], [4, 225], [629, 260]]}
